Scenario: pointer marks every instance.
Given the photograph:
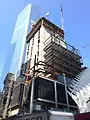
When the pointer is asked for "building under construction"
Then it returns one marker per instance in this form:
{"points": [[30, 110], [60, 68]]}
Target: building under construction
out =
{"points": [[53, 54], [48, 61]]}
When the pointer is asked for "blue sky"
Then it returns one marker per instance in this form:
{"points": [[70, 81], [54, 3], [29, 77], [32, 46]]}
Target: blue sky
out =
{"points": [[76, 22]]}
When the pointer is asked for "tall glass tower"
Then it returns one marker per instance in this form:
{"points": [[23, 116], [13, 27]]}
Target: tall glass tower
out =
{"points": [[19, 38], [16, 52]]}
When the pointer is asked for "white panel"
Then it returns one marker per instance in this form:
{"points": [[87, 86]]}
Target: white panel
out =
{"points": [[14, 112], [61, 118], [41, 51], [45, 33], [26, 56], [57, 115], [29, 55], [34, 50]]}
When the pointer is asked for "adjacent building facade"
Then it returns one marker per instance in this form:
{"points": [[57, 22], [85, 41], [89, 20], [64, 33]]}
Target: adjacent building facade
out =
{"points": [[1, 106], [7, 92]]}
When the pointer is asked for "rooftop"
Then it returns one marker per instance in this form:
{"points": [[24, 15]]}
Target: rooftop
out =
{"points": [[47, 24]]}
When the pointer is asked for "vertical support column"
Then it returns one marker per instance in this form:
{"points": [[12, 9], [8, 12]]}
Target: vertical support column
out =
{"points": [[66, 91], [23, 98], [32, 95], [32, 87], [55, 87]]}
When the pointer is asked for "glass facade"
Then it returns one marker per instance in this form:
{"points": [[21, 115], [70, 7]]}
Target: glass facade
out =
{"points": [[45, 90], [19, 38], [60, 78]]}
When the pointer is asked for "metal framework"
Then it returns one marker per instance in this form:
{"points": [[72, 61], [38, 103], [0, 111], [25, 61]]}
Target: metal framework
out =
{"points": [[60, 57], [63, 57]]}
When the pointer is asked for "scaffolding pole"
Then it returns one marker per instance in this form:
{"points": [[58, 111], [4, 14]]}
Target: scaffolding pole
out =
{"points": [[66, 91]]}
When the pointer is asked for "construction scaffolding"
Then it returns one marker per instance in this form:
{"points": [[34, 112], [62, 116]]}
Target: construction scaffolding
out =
{"points": [[63, 57], [60, 57]]}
